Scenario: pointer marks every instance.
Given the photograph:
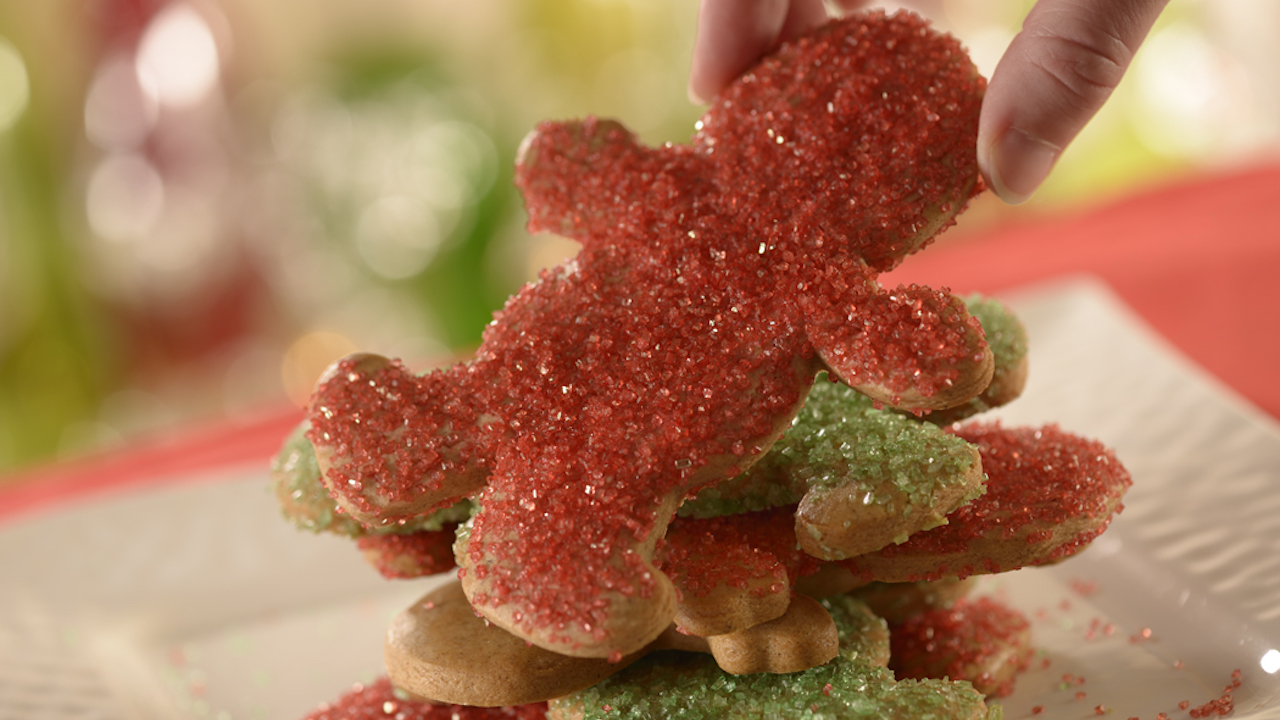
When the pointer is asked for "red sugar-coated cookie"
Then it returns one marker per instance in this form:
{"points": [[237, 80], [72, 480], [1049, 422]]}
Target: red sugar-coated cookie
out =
{"points": [[895, 602], [426, 552], [379, 701], [715, 280], [733, 572], [1049, 493], [979, 640]]}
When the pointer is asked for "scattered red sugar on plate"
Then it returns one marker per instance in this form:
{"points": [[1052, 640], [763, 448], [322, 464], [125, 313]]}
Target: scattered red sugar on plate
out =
{"points": [[1141, 636], [1084, 588], [1224, 703]]}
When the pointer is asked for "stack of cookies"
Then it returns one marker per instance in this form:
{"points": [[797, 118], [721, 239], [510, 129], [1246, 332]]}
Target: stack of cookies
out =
{"points": [[710, 467]]}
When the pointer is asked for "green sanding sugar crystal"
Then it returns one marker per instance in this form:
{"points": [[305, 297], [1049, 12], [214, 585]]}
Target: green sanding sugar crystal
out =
{"points": [[841, 439], [295, 476], [296, 480], [863, 636], [688, 686], [1005, 334]]}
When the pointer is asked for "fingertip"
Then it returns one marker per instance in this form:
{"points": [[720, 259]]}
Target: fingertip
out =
{"points": [[703, 72], [843, 7], [803, 16], [730, 37], [696, 95], [1014, 164], [1053, 78]]}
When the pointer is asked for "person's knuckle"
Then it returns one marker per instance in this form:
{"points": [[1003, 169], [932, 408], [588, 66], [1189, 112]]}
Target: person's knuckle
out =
{"points": [[1086, 59]]}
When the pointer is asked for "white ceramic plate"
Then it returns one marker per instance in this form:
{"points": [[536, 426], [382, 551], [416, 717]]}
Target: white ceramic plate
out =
{"points": [[198, 601]]}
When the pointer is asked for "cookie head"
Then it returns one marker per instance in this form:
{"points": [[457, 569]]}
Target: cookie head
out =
{"points": [[862, 132]]}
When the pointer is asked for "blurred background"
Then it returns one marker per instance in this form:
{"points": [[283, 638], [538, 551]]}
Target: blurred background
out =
{"points": [[204, 202]]}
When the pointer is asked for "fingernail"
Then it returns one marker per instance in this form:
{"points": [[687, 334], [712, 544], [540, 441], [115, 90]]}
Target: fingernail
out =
{"points": [[1019, 163]]}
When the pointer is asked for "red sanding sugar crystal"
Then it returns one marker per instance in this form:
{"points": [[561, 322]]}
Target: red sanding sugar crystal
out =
{"points": [[371, 418], [379, 701], [841, 140]]}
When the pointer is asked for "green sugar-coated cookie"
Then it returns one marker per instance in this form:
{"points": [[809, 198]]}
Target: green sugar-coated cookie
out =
{"points": [[686, 686]]}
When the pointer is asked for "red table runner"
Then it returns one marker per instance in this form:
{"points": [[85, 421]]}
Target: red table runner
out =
{"points": [[1197, 260]]}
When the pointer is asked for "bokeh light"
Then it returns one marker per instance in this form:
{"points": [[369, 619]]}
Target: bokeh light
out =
{"points": [[398, 235], [178, 61], [307, 358], [118, 112], [1188, 94], [15, 90], [125, 198], [1270, 661]]}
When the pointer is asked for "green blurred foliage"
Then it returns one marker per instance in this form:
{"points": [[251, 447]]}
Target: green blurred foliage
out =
{"points": [[456, 286], [56, 358]]}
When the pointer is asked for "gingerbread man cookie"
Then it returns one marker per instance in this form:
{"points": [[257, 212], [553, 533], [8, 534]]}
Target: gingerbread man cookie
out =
{"points": [[714, 281], [982, 640], [439, 648], [864, 477]]}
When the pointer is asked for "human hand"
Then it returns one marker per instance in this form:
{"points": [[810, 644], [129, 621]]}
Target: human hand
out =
{"points": [[1053, 78]]}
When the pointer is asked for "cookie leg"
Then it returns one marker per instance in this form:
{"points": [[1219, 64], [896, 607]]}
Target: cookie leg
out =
{"points": [[733, 572], [803, 637], [589, 589], [1007, 339], [440, 649]]}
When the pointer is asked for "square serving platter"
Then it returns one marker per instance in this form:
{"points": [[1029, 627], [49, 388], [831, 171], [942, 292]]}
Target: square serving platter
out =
{"points": [[196, 600]]}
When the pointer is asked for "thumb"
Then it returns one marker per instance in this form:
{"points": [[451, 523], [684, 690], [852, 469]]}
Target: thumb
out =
{"points": [[732, 36], [1052, 80]]}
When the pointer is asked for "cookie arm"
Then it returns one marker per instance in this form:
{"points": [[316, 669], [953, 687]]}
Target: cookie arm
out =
{"points": [[1008, 340], [912, 348], [392, 446], [581, 178]]}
